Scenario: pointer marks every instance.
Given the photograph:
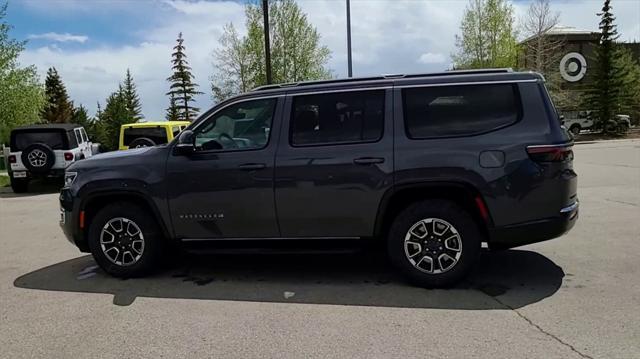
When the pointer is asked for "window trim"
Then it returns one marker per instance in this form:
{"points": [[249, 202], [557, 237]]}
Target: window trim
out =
{"points": [[518, 103], [339, 143], [232, 103]]}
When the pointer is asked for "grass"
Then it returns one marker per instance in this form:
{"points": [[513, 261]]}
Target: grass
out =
{"points": [[4, 181]]}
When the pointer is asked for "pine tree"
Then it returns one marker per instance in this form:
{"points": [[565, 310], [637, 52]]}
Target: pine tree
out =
{"points": [[603, 99], [173, 114], [131, 98], [58, 108], [114, 115], [182, 87]]}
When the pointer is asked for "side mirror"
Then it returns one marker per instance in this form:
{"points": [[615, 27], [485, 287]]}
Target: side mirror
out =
{"points": [[186, 143]]}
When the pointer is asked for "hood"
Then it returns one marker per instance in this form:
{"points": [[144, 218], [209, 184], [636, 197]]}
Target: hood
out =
{"points": [[114, 158]]}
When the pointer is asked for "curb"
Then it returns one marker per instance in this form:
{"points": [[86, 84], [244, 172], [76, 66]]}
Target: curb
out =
{"points": [[605, 141]]}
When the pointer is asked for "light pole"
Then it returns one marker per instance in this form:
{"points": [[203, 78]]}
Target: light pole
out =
{"points": [[349, 39], [267, 45]]}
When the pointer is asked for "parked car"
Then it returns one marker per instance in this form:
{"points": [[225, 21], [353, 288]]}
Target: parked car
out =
{"points": [[432, 164], [146, 134], [576, 121], [46, 150]]}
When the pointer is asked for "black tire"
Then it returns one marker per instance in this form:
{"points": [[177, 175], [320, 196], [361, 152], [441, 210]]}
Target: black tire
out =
{"points": [[443, 210], [45, 158], [623, 128], [19, 185], [575, 130], [153, 241], [142, 142]]}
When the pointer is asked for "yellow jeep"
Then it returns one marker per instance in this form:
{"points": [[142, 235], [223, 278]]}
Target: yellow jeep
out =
{"points": [[146, 134]]}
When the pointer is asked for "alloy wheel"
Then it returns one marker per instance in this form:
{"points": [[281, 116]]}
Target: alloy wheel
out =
{"points": [[433, 245], [122, 241]]}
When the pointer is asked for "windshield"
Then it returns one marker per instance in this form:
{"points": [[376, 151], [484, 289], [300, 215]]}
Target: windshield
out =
{"points": [[54, 139]]}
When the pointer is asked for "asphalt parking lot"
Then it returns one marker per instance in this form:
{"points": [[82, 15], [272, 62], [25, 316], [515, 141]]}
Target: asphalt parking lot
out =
{"points": [[574, 297]]}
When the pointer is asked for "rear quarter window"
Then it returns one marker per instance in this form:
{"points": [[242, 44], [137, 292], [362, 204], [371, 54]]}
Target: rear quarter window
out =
{"points": [[462, 110]]}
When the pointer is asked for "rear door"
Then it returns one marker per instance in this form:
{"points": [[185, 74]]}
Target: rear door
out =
{"points": [[334, 162]]}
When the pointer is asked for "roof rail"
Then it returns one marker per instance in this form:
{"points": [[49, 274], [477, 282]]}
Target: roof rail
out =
{"points": [[382, 77]]}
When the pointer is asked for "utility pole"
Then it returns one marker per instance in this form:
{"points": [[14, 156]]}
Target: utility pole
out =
{"points": [[349, 38], [267, 45]]}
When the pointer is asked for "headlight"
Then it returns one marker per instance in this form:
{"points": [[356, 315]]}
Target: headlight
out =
{"points": [[69, 177]]}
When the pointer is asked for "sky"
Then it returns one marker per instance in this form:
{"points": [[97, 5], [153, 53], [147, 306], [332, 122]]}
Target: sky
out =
{"points": [[93, 42]]}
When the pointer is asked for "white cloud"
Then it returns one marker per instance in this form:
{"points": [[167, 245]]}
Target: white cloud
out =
{"points": [[54, 36], [431, 58], [387, 37]]}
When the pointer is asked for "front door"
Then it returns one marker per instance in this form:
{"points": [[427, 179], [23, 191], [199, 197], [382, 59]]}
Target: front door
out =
{"points": [[334, 163], [225, 188]]}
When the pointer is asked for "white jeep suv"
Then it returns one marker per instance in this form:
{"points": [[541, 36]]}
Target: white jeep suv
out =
{"points": [[38, 151]]}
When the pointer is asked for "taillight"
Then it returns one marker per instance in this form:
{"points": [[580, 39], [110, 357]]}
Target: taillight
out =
{"points": [[12, 159], [550, 153], [68, 156]]}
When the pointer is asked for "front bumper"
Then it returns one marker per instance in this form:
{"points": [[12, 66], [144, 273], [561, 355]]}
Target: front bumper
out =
{"points": [[534, 231], [70, 220]]}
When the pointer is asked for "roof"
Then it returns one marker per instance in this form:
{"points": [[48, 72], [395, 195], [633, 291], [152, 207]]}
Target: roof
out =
{"points": [[50, 126], [157, 123], [558, 30], [383, 78]]}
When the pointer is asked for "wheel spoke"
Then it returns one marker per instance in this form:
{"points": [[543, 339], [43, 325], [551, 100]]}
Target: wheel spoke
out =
{"points": [[419, 231], [425, 260], [136, 230], [445, 261], [453, 243]]}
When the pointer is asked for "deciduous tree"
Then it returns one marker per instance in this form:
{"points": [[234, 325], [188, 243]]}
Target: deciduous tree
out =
{"points": [[21, 94], [488, 36], [296, 51]]}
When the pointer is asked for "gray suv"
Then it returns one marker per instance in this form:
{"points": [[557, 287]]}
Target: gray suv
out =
{"points": [[435, 165]]}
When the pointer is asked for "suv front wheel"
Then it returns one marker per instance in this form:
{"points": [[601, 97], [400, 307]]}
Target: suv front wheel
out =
{"points": [[125, 241], [435, 243]]}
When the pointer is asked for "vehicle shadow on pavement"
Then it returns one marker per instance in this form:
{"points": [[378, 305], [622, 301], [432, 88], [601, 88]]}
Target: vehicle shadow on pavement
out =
{"points": [[35, 188], [503, 280]]}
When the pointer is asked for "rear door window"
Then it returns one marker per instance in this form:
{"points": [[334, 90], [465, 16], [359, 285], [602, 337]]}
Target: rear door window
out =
{"points": [[446, 111], [337, 117], [54, 139]]}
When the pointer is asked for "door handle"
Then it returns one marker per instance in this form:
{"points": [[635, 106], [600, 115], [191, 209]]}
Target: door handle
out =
{"points": [[252, 166], [368, 160]]}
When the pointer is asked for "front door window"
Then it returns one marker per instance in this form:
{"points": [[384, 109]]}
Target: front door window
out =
{"points": [[242, 126]]}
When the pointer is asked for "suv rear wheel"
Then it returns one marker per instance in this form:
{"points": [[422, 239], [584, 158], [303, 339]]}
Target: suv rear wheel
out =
{"points": [[19, 185], [125, 241], [434, 243]]}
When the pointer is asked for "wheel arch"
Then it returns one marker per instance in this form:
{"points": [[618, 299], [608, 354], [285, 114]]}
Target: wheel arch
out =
{"points": [[98, 200], [463, 194]]}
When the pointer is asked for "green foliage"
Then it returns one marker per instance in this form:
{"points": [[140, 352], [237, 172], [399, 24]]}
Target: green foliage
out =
{"points": [[131, 97], [81, 117], [58, 108], [488, 36], [21, 94], [615, 75], [182, 86], [629, 68], [296, 52], [114, 115], [172, 112]]}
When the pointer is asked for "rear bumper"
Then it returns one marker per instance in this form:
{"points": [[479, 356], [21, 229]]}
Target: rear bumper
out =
{"points": [[534, 231]]}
